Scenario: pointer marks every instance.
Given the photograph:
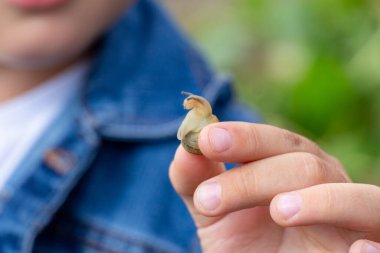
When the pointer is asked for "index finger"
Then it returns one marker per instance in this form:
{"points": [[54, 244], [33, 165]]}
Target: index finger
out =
{"points": [[241, 142]]}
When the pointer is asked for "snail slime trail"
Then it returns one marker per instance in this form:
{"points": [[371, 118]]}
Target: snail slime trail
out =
{"points": [[199, 116]]}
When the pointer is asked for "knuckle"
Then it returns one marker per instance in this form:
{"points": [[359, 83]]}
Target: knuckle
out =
{"points": [[329, 199], [339, 169], [299, 142], [315, 168], [367, 197], [293, 139], [253, 140], [246, 182], [373, 193], [338, 165]]}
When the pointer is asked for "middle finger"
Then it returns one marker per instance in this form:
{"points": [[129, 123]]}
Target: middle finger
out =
{"points": [[256, 183]]}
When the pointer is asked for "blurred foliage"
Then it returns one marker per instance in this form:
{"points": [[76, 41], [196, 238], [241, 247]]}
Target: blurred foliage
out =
{"points": [[310, 66]]}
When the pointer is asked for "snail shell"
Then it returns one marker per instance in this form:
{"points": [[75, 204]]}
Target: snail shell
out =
{"points": [[199, 116], [190, 143]]}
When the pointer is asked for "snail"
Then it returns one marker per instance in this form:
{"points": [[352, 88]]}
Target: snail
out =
{"points": [[199, 116]]}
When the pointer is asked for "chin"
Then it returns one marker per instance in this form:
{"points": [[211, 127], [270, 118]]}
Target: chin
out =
{"points": [[18, 63], [35, 60], [41, 49]]}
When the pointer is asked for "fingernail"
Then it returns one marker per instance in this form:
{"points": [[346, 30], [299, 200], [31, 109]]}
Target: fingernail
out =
{"points": [[289, 204], [369, 248], [220, 139], [208, 195]]}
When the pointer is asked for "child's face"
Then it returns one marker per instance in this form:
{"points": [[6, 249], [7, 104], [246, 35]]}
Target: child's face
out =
{"points": [[47, 33]]}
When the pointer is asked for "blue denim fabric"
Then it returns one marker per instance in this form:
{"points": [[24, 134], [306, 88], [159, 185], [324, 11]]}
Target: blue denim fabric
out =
{"points": [[97, 181]]}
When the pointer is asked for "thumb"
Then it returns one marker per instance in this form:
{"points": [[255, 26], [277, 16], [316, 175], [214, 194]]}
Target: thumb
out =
{"points": [[365, 246], [186, 172]]}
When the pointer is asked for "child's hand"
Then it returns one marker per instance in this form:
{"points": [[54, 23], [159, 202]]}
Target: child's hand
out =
{"points": [[284, 181]]}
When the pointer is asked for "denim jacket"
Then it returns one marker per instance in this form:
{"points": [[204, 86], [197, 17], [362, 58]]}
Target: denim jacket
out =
{"points": [[97, 181]]}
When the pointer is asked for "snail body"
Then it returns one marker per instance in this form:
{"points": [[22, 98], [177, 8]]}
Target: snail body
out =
{"points": [[199, 116]]}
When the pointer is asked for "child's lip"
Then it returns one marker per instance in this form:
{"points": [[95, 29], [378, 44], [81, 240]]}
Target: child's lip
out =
{"points": [[36, 4]]}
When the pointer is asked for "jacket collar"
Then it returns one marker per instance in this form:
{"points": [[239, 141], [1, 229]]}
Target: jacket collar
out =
{"points": [[143, 64]]}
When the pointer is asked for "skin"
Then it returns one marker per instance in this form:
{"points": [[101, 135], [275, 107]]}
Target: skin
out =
{"points": [[278, 171], [35, 45]]}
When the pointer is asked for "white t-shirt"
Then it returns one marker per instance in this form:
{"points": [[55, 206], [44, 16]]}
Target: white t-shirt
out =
{"points": [[24, 119]]}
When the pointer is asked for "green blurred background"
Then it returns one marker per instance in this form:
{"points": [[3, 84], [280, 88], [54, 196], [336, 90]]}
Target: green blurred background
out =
{"points": [[310, 66]]}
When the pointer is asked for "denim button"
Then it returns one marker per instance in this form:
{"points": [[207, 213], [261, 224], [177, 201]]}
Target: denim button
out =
{"points": [[60, 160]]}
